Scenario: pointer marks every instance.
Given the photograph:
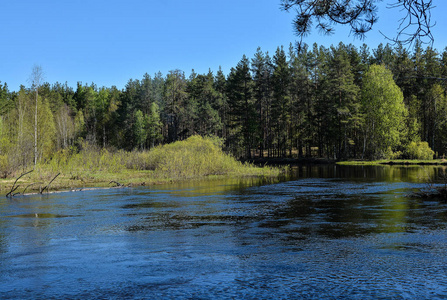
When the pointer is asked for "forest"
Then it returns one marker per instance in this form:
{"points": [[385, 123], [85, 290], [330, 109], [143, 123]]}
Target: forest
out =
{"points": [[337, 102]]}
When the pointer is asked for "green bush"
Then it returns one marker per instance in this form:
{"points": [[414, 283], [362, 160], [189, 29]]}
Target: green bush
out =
{"points": [[419, 150], [193, 157], [390, 154], [4, 166]]}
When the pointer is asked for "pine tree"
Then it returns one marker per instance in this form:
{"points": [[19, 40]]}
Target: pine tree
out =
{"points": [[262, 92], [342, 93], [281, 105], [240, 100]]}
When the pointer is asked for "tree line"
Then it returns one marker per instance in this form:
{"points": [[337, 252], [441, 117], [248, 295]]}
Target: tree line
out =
{"points": [[338, 102]]}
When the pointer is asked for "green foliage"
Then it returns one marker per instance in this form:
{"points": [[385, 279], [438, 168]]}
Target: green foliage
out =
{"points": [[46, 130], [5, 142], [197, 156], [139, 130], [242, 123], [154, 125], [303, 103], [419, 150], [384, 110], [4, 166]]}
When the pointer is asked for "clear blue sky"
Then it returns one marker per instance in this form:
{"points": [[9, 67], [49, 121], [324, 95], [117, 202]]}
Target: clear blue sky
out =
{"points": [[110, 42]]}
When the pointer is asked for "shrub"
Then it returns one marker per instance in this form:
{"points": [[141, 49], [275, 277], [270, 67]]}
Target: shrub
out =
{"points": [[419, 150], [193, 157], [4, 166], [390, 154]]}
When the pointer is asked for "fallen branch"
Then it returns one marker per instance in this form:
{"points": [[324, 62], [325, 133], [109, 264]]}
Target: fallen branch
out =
{"points": [[29, 186], [116, 183], [14, 187], [46, 187]]}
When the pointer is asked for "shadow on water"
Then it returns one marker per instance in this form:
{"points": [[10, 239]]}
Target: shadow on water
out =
{"points": [[342, 202]]}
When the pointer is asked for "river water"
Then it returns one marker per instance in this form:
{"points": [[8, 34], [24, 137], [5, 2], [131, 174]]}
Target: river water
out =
{"points": [[326, 232]]}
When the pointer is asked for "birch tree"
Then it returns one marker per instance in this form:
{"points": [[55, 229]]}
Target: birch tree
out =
{"points": [[36, 80]]}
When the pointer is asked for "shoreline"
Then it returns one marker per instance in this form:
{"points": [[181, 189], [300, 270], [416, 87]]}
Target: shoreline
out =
{"points": [[103, 180], [321, 161], [391, 162]]}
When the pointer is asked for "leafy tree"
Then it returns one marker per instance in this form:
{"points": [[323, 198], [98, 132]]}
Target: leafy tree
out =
{"points": [[5, 142], [65, 126], [419, 150], [436, 103], [36, 80], [139, 130], [384, 110], [154, 125], [6, 105], [46, 130]]}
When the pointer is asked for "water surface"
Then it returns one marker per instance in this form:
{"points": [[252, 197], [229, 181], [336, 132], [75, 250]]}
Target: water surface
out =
{"points": [[327, 232]]}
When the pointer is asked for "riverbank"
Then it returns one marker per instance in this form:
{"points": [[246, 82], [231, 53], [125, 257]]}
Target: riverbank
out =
{"points": [[283, 161], [33, 184], [317, 161], [191, 159], [393, 162]]}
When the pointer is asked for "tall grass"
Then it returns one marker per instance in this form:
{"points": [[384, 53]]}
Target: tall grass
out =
{"points": [[197, 156], [192, 158]]}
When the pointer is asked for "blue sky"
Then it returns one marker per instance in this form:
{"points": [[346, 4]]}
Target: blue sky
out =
{"points": [[110, 42]]}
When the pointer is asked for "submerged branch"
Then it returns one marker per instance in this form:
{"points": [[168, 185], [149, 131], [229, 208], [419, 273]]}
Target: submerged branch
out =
{"points": [[47, 187], [14, 187]]}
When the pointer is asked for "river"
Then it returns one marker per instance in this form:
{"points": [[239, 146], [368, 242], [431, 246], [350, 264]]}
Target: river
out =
{"points": [[325, 232]]}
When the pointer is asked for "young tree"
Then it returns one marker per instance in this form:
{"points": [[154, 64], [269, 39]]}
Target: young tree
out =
{"points": [[65, 129], [154, 125], [36, 80], [139, 130]]}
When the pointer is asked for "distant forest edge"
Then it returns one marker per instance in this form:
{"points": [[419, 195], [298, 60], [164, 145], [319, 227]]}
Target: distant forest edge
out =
{"points": [[340, 102]]}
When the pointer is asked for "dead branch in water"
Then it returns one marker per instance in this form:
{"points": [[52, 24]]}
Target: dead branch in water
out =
{"points": [[47, 187], [117, 184], [23, 193], [14, 187]]}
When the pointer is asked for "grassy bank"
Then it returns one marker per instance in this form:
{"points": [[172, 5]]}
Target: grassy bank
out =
{"points": [[194, 158], [393, 162]]}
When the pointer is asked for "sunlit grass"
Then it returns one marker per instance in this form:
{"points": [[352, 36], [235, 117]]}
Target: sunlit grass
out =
{"points": [[196, 157]]}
